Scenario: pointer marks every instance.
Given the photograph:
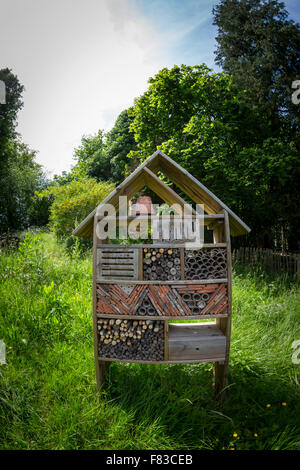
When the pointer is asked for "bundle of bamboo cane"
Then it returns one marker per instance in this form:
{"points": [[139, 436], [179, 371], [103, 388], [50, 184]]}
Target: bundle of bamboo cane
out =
{"points": [[131, 339], [195, 301], [146, 308], [205, 264]]}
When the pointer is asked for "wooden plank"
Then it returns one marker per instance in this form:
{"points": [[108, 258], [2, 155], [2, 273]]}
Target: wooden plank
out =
{"points": [[99, 367], [106, 272], [196, 341], [221, 370], [161, 317], [207, 219], [178, 282], [186, 361], [166, 340], [164, 191], [117, 263], [193, 330], [165, 245], [218, 233]]}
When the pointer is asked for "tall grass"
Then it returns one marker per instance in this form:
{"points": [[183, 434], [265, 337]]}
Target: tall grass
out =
{"points": [[47, 389]]}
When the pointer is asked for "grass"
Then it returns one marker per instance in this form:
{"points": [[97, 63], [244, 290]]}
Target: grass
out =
{"points": [[47, 389]]}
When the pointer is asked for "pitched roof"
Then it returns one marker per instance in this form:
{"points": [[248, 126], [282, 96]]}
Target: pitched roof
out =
{"points": [[145, 174]]}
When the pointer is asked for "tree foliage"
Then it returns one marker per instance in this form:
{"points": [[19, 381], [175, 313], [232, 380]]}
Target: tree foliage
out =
{"points": [[23, 176], [73, 202], [119, 143], [236, 131], [20, 175], [200, 119], [103, 156], [9, 110], [259, 47]]}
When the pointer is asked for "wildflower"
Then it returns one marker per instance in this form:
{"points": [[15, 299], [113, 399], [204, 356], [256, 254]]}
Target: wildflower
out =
{"points": [[232, 448], [268, 405], [255, 434], [9, 347], [283, 403], [235, 434]]}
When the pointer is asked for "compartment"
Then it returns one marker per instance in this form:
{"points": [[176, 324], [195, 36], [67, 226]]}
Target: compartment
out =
{"points": [[141, 340], [162, 300], [161, 264], [205, 264], [117, 263], [196, 342]]}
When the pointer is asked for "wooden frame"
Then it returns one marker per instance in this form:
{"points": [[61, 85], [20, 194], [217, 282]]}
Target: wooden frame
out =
{"points": [[182, 178], [179, 353], [182, 343]]}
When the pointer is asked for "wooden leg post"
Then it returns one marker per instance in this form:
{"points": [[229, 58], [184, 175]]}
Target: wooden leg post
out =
{"points": [[220, 370], [103, 370]]}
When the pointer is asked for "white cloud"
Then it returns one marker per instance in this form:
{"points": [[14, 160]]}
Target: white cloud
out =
{"points": [[82, 62]]}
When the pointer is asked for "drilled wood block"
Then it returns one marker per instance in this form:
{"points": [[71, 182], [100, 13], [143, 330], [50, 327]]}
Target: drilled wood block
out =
{"points": [[192, 341]]}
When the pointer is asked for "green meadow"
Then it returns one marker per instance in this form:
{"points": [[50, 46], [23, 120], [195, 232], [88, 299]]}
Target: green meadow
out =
{"points": [[48, 397]]}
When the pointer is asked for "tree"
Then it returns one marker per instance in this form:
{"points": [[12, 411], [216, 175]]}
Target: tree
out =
{"points": [[103, 156], [9, 110], [203, 122], [259, 47], [23, 176], [8, 117], [180, 97], [91, 157], [119, 142], [20, 175], [72, 203]]}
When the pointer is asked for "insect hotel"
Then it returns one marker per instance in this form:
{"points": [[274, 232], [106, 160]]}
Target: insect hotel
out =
{"points": [[145, 294]]}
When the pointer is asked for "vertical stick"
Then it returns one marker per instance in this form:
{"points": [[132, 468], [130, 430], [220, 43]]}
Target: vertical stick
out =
{"points": [[218, 233], [100, 366], [166, 339], [221, 369], [140, 264], [182, 263]]}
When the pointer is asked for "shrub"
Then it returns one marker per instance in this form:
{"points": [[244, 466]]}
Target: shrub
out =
{"points": [[73, 202]]}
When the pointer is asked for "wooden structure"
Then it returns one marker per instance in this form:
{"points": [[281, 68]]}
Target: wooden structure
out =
{"points": [[138, 290]]}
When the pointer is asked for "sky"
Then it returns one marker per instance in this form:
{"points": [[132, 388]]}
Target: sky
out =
{"points": [[82, 62]]}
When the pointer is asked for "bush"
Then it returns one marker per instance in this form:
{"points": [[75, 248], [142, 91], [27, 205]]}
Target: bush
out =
{"points": [[72, 203]]}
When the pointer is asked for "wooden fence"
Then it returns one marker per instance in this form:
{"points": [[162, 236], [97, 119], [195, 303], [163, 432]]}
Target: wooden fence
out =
{"points": [[269, 260]]}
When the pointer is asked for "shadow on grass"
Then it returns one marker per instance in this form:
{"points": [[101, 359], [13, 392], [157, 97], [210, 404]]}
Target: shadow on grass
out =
{"points": [[180, 398]]}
